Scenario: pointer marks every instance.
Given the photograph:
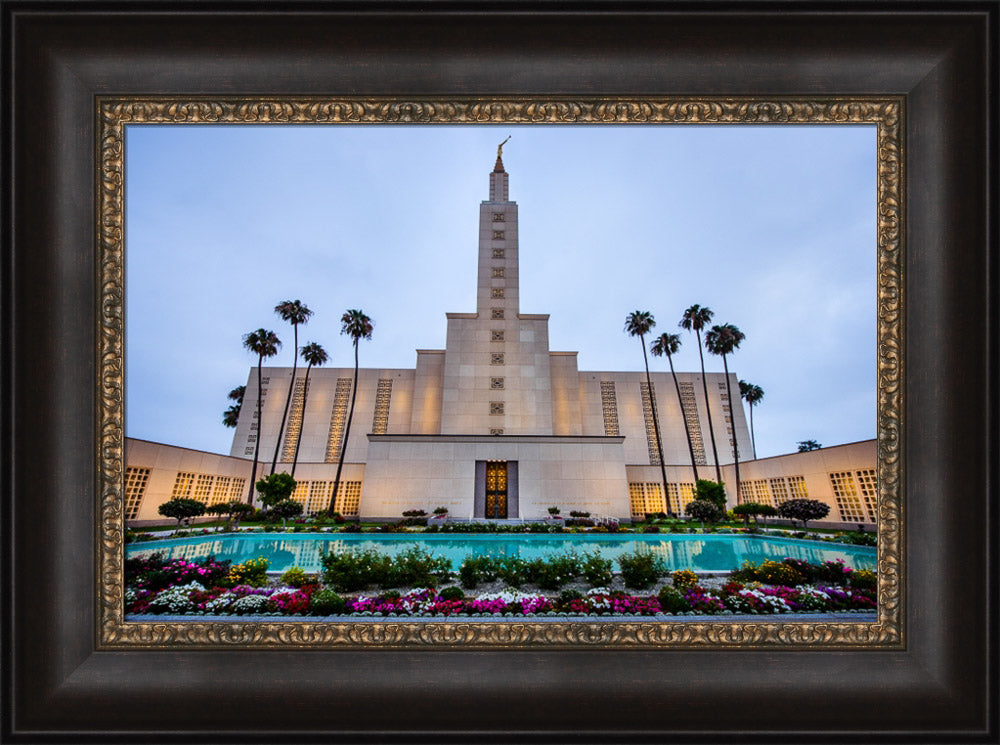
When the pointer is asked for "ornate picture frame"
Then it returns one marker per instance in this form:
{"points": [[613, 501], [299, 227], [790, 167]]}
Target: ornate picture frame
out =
{"points": [[886, 114], [71, 670]]}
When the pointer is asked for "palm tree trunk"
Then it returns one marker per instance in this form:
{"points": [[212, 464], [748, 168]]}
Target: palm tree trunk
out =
{"points": [[753, 439], [288, 398], [347, 432], [256, 446], [298, 438], [732, 421], [656, 426], [687, 431], [708, 408]]}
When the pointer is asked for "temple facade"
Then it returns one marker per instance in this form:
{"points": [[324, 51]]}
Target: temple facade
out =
{"points": [[495, 425]]}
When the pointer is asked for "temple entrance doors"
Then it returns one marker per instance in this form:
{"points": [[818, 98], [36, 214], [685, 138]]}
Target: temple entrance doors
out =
{"points": [[496, 490]]}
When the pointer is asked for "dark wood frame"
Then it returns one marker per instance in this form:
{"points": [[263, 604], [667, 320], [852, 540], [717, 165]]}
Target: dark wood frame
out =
{"points": [[942, 687]]}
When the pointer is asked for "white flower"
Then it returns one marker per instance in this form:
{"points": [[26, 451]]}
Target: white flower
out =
{"points": [[175, 599]]}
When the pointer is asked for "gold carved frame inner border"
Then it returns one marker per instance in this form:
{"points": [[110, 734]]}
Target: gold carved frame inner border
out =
{"points": [[113, 114]]}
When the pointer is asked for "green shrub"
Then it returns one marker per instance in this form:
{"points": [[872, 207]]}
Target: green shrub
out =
{"points": [[326, 602], [672, 601], [351, 570], [512, 570], [713, 492], [640, 569], [769, 573], [451, 593], [416, 567], [476, 569], [596, 570], [295, 577], [554, 572]]}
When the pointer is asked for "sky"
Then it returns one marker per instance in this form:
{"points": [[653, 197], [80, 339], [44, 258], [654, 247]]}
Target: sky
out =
{"points": [[773, 227]]}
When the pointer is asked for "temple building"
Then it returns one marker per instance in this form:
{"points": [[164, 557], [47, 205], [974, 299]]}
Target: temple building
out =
{"points": [[495, 425]]}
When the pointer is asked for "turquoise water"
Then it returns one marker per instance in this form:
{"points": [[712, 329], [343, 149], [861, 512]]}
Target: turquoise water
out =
{"points": [[700, 553]]}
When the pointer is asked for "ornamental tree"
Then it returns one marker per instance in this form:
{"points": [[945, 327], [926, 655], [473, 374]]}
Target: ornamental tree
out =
{"points": [[748, 510], [804, 510], [703, 510], [285, 509], [275, 488], [181, 508], [711, 491]]}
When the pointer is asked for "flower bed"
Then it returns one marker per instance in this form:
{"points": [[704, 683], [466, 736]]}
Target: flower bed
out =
{"points": [[178, 587]]}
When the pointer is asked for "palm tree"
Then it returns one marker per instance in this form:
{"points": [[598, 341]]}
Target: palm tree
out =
{"points": [[695, 318], [263, 343], [295, 313], [639, 323], [358, 326], [723, 340], [313, 354], [752, 394], [668, 344], [231, 416]]}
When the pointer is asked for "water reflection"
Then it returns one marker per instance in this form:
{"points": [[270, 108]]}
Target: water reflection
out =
{"points": [[700, 553]]}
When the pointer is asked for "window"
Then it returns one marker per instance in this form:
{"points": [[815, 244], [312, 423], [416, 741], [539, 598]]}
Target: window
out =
{"points": [[496, 384], [237, 487], [498, 235], [846, 494], [866, 479], [220, 489], [348, 498], [135, 487], [496, 314], [645, 497], [294, 421], [338, 419], [182, 485], [496, 408], [694, 424], [498, 217], [496, 358], [797, 486], [761, 492], [498, 272], [203, 487], [647, 413], [779, 490], [679, 496], [498, 253], [496, 292], [496, 335]]}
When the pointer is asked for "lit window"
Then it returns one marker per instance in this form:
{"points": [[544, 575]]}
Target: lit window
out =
{"points": [[498, 272], [498, 235], [498, 217]]}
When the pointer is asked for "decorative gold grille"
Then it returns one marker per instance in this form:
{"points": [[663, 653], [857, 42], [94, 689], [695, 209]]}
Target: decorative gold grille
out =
{"points": [[294, 426], [496, 384], [135, 487], [203, 487], [779, 490], [499, 253], [496, 430], [383, 394], [869, 492], [237, 487], [609, 406], [689, 406], [496, 335], [496, 314], [319, 496], [182, 485], [846, 494], [496, 292], [498, 272], [496, 408], [647, 414], [220, 489], [496, 358], [498, 217], [797, 487], [338, 419], [645, 497], [348, 498], [762, 492], [680, 495], [498, 235]]}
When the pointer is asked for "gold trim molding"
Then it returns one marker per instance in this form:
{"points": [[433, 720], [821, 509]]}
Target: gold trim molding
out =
{"points": [[113, 114]]}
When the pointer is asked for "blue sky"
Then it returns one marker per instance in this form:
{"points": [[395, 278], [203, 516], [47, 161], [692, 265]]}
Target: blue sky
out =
{"points": [[772, 227]]}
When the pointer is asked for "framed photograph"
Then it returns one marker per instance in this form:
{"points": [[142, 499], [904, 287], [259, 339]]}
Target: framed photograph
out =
{"points": [[925, 663]]}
